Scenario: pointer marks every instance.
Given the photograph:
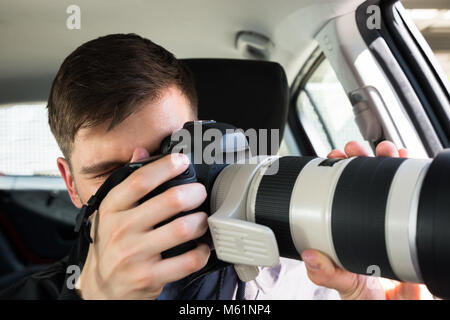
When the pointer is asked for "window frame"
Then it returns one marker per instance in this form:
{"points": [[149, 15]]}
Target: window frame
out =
{"points": [[302, 139]]}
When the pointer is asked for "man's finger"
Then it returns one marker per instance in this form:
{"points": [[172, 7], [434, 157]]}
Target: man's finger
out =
{"points": [[404, 291], [176, 232], [337, 154], [144, 180], [403, 153], [323, 272], [163, 206], [386, 149], [178, 267], [354, 149]]}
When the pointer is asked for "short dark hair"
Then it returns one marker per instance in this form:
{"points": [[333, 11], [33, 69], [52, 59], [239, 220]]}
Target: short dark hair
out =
{"points": [[108, 78]]}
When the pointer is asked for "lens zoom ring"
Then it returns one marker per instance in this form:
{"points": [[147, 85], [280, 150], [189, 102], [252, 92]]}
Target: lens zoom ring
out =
{"points": [[273, 201], [359, 212]]}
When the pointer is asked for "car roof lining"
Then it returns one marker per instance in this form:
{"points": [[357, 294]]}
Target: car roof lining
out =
{"points": [[35, 38]]}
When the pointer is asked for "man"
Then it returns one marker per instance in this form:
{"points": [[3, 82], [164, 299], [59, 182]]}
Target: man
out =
{"points": [[112, 102]]}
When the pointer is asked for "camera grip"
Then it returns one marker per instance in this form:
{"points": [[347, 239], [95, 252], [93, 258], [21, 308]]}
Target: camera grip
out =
{"points": [[188, 176]]}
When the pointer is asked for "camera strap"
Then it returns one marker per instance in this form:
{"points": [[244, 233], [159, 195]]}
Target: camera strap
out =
{"points": [[82, 224]]}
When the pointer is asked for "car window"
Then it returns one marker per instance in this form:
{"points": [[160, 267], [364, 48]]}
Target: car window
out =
{"points": [[326, 113], [27, 146]]}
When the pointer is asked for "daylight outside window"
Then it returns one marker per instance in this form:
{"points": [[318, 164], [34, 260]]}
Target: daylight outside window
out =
{"points": [[27, 144], [326, 112]]}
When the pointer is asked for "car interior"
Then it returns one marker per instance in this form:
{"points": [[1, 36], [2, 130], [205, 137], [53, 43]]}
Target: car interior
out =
{"points": [[321, 72]]}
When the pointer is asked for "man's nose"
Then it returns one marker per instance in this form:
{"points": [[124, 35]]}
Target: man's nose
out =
{"points": [[139, 154]]}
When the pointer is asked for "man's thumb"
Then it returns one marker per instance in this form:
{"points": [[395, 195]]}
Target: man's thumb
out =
{"points": [[323, 272]]}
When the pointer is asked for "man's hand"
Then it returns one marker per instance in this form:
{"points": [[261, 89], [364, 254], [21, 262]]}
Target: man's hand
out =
{"points": [[124, 262], [323, 272]]}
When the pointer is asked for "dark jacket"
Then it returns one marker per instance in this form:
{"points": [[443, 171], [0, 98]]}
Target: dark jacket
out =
{"points": [[51, 282]]}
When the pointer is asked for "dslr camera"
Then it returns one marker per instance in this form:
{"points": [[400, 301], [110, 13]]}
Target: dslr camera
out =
{"points": [[387, 217]]}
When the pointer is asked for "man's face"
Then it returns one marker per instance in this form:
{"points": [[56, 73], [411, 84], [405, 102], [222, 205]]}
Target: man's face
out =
{"points": [[97, 152]]}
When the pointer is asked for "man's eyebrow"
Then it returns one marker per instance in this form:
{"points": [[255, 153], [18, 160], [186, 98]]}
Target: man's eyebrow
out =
{"points": [[101, 167]]}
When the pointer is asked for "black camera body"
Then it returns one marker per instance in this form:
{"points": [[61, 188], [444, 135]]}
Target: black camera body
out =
{"points": [[199, 170], [190, 141]]}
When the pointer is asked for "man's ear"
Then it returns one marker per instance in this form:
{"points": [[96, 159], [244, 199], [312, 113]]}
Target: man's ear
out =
{"points": [[66, 174]]}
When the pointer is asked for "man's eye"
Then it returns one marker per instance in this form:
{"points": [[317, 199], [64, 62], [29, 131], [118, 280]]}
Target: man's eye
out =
{"points": [[103, 175]]}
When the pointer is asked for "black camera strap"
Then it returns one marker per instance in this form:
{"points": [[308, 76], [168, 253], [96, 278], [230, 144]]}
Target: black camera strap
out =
{"points": [[82, 224]]}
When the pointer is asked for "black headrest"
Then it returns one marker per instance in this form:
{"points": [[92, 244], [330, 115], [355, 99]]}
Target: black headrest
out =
{"points": [[244, 93]]}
